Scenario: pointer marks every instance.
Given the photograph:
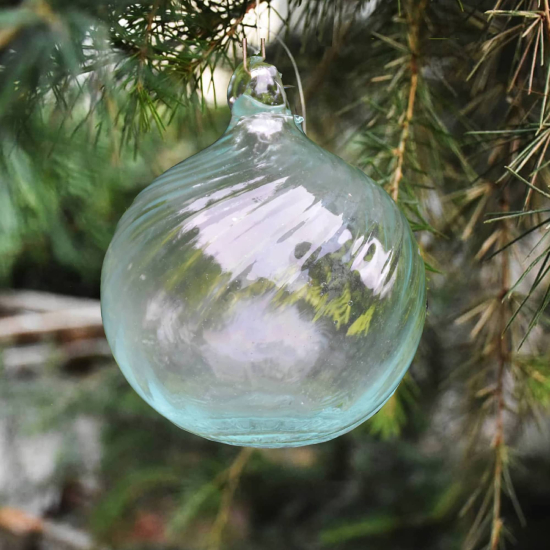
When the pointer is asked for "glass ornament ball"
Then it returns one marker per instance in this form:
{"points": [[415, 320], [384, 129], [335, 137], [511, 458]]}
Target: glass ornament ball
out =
{"points": [[263, 292]]}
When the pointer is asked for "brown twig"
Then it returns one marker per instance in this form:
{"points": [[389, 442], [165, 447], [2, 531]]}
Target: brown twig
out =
{"points": [[547, 15], [7, 35], [413, 19], [534, 62], [41, 9], [233, 478], [534, 177], [522, 61], [144, 50], [503, 345], [400, 151], [149, 28]]}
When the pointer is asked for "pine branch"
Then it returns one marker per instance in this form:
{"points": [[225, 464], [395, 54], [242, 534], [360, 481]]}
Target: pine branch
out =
{"points": [[504, 351], [340, 34], [528, 109], [414, 14], [494, 383]]}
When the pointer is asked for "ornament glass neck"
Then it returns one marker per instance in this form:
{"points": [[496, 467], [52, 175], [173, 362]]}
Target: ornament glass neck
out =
{"points": [[257, 90]]}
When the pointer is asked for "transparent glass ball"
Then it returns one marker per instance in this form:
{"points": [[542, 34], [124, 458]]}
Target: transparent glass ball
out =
{"points": [[263, 292]]}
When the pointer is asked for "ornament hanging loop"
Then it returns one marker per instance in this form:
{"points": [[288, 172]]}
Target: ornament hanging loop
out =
{"points": [[245, 52], [245, 55]]}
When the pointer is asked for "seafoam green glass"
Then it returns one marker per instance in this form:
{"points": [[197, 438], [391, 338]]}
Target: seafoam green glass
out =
{"points": [[264, 292]]}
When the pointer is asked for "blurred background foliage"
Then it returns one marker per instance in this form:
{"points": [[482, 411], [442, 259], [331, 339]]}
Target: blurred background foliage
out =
{"points": [[445, 104]]}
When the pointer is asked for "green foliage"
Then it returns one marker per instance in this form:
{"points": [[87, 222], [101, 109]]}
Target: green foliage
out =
{"points": [[391, 419], [439, 510]]}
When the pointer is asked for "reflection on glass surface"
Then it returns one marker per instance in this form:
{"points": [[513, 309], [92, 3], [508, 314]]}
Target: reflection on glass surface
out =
{"points": [[264, 292]]}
